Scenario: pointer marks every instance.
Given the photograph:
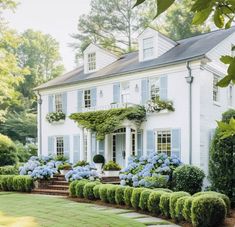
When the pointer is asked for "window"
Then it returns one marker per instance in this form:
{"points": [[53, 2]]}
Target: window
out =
{"points": [[148, 48], [91, 61], [87, 98], [60, 145], [58, 103], [114, 148], [154, 88], [215, 89], [164, 142], [125, 94], [230, 95]]}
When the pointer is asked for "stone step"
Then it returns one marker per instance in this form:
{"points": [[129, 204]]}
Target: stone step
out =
{"points": [[58, 187], [105, 179], [56, 182], [51, 192], [58, 177]]}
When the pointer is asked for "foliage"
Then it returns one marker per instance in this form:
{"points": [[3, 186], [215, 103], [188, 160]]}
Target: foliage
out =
{"points": [[208, 211], [154, 201], [7, 151], [155, 182], [55, 117], [107, 121], [65, 166], [88, 192], [80, 188], [81, 163], [127, 195], [187, 208], [103, 192], [188, 178], [165, 204], [111, 166], [158, 105], [144, 198], [61, 158], [8, 170], [24, 152], [222, 161], [111, 191], [98, 159], [152, 165], [162, 190], [135, 197], [72, 188], [179, 208], [96, 191], [119, 195], [16, 183], [173, 200]]}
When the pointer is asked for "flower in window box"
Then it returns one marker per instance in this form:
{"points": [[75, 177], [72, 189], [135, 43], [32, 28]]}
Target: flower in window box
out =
{"points": [[55, 116]]}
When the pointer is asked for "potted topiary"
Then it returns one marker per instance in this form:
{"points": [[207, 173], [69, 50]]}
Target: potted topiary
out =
{"points": [[111, 169], [64, 168], [99, 161]]}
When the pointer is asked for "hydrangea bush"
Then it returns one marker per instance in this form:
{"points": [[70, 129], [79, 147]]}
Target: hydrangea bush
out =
{"points": [[139, 170]]}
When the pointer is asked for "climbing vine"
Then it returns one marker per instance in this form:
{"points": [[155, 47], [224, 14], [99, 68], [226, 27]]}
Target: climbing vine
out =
{"points": [[107, 121]]}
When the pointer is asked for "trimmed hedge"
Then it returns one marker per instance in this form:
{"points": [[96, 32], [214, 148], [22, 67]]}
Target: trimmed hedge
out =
{"points": [[173, 200], [144, 197], [96, 191], [16, 183], [88, 192], [80, 187], [103, 192], [127, 195], [135, 197], [72, 188], [9, 170], [163, 190], [179, 208], [111, 191], [207, 211], [187, 208], [154, 201], [119, 195], [165, 204]]}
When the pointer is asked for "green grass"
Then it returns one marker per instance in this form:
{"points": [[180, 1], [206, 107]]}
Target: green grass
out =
{"points": [[56, 212]]}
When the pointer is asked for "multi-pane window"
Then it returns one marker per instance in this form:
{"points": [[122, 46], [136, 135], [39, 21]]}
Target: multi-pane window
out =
{"points": [[60, 146], [87, 98], [91, 61], [58, 103], [154, 88], [125, 93], [164, 141], [215, 89], [230, 95], [148, 48], [114, 148]]}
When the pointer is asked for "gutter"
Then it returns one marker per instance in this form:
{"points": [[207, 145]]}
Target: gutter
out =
{"points": [[39, 124], [189, 80]]}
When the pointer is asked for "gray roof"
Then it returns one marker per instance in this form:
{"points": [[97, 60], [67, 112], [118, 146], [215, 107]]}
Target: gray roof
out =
{"points": [[186, 49]]}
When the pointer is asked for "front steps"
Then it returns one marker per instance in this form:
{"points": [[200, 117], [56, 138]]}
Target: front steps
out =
{"points": [[55, 186], [110, 180]]}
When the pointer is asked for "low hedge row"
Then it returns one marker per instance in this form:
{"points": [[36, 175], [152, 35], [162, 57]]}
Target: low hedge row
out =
{"points": [[16, 183], [9, 170], [204, 209]]}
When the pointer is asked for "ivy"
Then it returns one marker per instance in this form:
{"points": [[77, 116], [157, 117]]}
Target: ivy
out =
{"points": [[107, 121], [158, 105]]}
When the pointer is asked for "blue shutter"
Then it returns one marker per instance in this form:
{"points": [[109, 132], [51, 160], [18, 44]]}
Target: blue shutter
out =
{"points": [[50, 103], [116, 93], [144, 91], [176, 142], [101, 147], [76, 148], [93, 97], [79, 100], [66, 146], [139, 144], [64, 102], [93, 145], [150, 141], [50, 145], [163, 88]]}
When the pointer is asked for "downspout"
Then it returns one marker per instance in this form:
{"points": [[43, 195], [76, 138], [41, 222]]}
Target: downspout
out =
{"points": [[189, 80], [40, 123]]}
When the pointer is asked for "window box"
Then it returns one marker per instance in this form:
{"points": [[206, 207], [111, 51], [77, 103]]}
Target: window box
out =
{"points": [[56, 117], [111, 173]]}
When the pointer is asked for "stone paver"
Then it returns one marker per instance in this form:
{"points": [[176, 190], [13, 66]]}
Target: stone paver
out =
{"points": [[167, 225], [133, 215], [150, 219]]}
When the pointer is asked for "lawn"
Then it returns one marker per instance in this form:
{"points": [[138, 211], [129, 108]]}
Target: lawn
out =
{"points": [[28, 210]]}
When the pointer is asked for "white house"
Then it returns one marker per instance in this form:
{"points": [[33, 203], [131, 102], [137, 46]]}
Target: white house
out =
{"points": [[185, 72]]}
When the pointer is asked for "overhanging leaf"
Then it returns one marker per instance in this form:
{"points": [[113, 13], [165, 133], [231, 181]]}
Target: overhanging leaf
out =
{"points": [[138, 2], [201, 16], [219, 18], [200, 5], [225, 81], [163, 5], [226, 59], [231, 69]]}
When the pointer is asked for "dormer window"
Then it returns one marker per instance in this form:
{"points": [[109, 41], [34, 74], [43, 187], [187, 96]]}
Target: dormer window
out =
{"points": [[91, 61], [148, 48]]}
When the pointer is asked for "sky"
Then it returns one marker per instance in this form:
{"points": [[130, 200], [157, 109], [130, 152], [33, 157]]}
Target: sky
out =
{"points": [[55, 17]]}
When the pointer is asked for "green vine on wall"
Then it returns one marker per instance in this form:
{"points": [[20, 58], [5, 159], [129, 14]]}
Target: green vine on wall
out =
{"points": [[107, 121]]}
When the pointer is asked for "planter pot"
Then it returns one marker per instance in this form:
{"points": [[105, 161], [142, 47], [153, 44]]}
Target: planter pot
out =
{"points": [[58, 122], [98, 167], [64, 171], [111, 173]]}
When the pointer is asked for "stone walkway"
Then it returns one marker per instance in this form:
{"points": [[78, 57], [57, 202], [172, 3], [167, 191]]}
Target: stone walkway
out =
{"points": [[143, 218]]}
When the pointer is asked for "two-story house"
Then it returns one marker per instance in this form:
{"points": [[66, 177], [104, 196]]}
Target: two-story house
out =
{"points": [[184, 71]]}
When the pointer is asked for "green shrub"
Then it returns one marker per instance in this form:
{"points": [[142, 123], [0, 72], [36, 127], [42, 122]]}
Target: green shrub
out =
{"points": [[9, 170], [10, 183], [187, 208], [188, 178], [179, 208], [65, 166], [208, 211], [22, 183], [165, 204], [163, 190], [88, 192], [127, 195], [103, 192], [98, 159], [156, 182], [217, 194], [81, 163], [80, 187], [119, 196], [173, 200], [96, 191], [72, 188], [154, 201], [111, 191], [111, 165], [7, 151], [144, 197], [135, 197]]}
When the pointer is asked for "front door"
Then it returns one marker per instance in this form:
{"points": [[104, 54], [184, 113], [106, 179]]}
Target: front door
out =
{"points": [[120, 149]]}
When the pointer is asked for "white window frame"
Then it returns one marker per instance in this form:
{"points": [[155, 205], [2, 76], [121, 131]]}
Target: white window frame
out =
{"points": [[148, 48], [167, 138], [91, 61], [125, 92], [58, 102], [154, 94], [216, 91], [230, 95], [87, 98], [59, 144]]}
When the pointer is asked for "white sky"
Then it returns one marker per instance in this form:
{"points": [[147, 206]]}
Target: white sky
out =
{"points": [[55, 17]]}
